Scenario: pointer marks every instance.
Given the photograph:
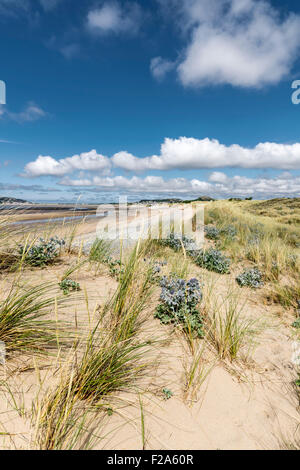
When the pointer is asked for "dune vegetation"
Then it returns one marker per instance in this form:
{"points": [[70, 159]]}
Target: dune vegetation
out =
{"points": [[155, 344]]}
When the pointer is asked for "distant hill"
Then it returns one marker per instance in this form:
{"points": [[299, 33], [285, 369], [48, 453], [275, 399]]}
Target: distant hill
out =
{"points": [[153, 201], [11, 200], [175, 200]]}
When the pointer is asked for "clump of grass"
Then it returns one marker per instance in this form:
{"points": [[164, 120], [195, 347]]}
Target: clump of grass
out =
{"points": [[100, 254], [23, 319], [62, 422], [285, 295], [262, 240], [106, 368], [109, 366], [100, 251], [113, 360], [196, 372], [226, 329], [133, 293]]}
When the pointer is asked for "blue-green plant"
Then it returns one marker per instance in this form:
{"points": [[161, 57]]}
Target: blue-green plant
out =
{"points": [[177, 241], [230, 232], [212, 232], [250, 278], [67, 285], [43, 252], [212, 260], [167, 393], [179, 304]]}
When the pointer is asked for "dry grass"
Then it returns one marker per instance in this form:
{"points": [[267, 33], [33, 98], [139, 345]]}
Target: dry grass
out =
{"points": [[115, 355]]}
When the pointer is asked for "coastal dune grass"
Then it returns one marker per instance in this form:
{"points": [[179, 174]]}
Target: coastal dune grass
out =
{"points": [[267, 243], [112, 359], [24, 319], [227, 329], [115, 355]]}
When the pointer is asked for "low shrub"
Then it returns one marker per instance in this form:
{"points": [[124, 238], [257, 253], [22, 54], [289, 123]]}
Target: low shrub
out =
{"points": [[250, 278], [179, 301], [177, 241], [211, 232], [230, 232], [43, 252], [167, 393], [67, 285], [213, 260]]}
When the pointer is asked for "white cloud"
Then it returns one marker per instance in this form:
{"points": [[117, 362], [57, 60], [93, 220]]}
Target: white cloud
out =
{"points": [[183, 153], [69, 51], [113, 17], [48, 166], [13, 7], [32, 112], [218, 177], [230, 186], [136, 184], [189, 153], [49, 5], [244, 43], [160, 67]]}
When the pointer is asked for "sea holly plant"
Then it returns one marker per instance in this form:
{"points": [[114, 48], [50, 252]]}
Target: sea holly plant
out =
{"points": [[67, 285], [212, 232], [167, 393], [115, 266], [177, 242], [156, 268], [43, 252], [250, 278], [179, 304], [212, 260], [230, 232]]}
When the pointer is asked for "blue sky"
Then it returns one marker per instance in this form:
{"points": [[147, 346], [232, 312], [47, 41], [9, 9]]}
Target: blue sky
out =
{"points": [[149, 99]]}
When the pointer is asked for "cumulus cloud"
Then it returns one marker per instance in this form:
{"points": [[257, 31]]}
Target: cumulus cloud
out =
{"points": [[183, 153], [218, 177], [31, 112], [160, 67], [229, 186], [244, 43], [48, 166], [115, 17], [189, 153]]}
